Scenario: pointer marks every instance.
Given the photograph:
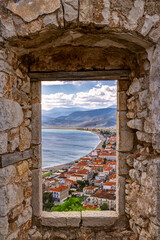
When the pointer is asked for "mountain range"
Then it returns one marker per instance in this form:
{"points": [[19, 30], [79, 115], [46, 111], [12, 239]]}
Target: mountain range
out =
{"points": [[79, 117]]}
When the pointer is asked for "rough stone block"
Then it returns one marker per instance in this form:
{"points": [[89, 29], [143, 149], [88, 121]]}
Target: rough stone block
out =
{"points": [[99, 218], [25, 138], [22, 168], [14, 194], [135, 124], [70, 10], [135, 87], [3, 202], [25, 216], [37, 192], [3, 142], [150, 21], [3, 81], [31, 11], [85, 12], [51, 20], [3, 227], [144, 137], [11, 158], [11, 114], [7, 174], [135, 13]]}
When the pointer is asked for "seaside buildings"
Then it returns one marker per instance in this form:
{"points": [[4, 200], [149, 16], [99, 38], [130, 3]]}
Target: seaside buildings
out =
{"points": [[92, 177]]}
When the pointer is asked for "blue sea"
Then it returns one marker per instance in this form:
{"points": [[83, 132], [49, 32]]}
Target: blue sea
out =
{"points": [[60, 146]]}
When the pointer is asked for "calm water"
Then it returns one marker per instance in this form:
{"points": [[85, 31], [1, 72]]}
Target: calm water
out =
{"points": [[60, 146]]}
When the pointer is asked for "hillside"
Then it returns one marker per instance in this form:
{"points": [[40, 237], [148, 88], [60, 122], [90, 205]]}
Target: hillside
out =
{"points": [[105, 117]]}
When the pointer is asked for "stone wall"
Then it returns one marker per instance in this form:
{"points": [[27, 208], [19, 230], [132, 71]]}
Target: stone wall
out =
{"points": [[15, 143], [69, 36]]}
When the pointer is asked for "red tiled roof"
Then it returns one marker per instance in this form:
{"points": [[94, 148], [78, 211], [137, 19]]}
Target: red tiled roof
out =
{"points": [[58, 189], [90, 206], [109, 183], [89, 188], [108, 168], [107, 154]]}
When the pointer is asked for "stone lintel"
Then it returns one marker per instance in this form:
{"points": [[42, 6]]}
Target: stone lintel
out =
{"points": [[11, 158]]}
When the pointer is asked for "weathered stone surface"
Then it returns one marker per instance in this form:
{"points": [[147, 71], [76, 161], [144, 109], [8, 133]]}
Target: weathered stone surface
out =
{"points": [[135, 13], [3, 81], [121, 101], [11, 114], [24, 217], [143, 97], [30, 10], [8, 28], [85, 12], [3, 142], [11, 158], [3, 202], [14, 194], [98, 218], [134, 87], [26, 86], [25, 138], [155, 34], [36, 123], [51, 19], [135, 124], [150, 21], [37, 158], [144, 137], [22, 168], [3, 227], [120, 195], [14, 235], [134, 175], [122, 167], [70, 10], [7, 174], [13, 144], [101, 12], [58, 219], [37, 192]]}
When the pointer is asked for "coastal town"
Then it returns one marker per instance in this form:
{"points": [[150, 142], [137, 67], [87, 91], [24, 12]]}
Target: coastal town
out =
{"points": [[91, 179]]}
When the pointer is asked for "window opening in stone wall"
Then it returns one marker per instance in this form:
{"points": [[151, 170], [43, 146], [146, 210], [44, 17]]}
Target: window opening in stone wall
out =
{"points": [[79, 145]]}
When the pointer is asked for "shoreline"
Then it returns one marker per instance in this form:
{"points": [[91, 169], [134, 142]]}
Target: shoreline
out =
{"points": [[69, 164]]}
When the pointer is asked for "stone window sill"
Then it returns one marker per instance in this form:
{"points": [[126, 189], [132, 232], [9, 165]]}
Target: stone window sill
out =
{"points": [[75, 219]]}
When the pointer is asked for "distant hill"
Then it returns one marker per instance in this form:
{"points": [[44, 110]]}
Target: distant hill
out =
{"points": [[105, 117]]}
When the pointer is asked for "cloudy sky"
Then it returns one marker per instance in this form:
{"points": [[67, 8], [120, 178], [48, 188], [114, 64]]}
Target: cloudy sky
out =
{"points": [[87, 94]]}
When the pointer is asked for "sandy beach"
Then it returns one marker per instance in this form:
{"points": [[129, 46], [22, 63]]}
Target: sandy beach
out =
{"points": [[69, 164]]}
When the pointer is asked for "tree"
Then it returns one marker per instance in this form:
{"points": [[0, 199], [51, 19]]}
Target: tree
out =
{"points": [[72, 204], [104, 207], [48, 201], [104, 144]]}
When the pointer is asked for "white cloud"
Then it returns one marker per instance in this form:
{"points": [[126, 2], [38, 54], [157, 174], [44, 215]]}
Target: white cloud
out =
{"points": [[53, 83], [97, 97]]}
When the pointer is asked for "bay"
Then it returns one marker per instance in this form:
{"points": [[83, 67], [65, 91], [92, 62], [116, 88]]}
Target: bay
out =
{"points": [[60, 146]]}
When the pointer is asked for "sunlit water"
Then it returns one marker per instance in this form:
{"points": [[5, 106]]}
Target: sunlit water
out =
{"points": [[60, 146]]}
